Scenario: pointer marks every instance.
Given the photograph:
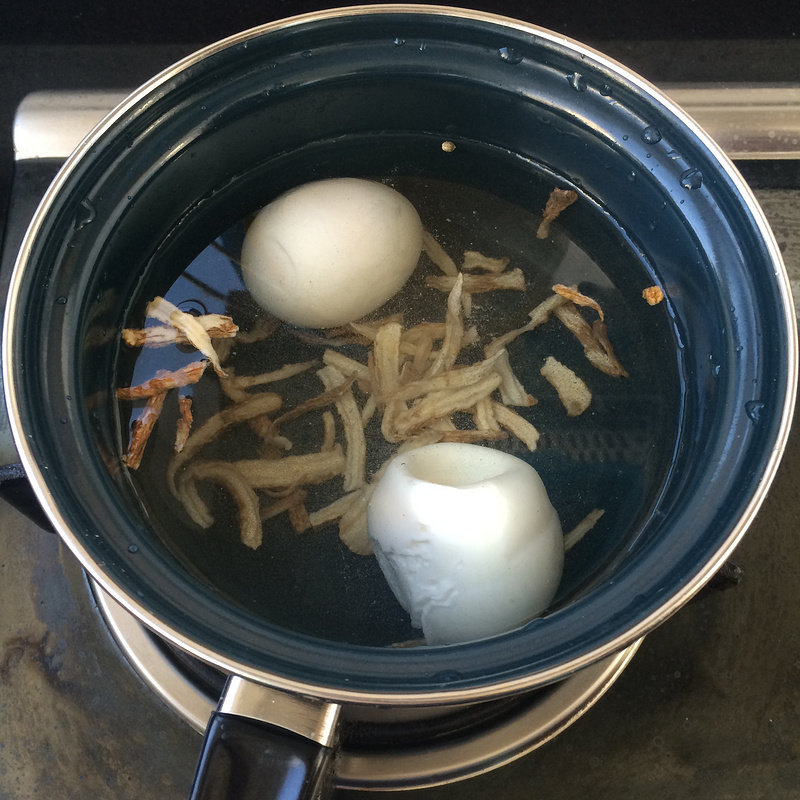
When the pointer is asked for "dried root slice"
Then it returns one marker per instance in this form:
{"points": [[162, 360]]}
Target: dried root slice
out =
{"points": [[353, 524], [512, 392], [350, 511], [472, 436], [184, 425], [580, 299], [356, 454], [443, 403], [333, 511], [255, 406], [291, 471], [385, 364], [280, 374], [559, 200], [163, 381], [438, 255], [513, 280], [541, 313], [605, 359], [328, 431], [217, 326], [594, 338], [582, 528], [423, 332], [347, 366], [416, 346], [236, 386], [466, 304], [538, 316], [455, 378], [573, 393], [226, 475], [273, 444], [298, 517], [473, 260], [368, 410], [484, 417], [516, 425], [142, 428], [453, 331], [293, 503], [188, 325], [389, 430]]}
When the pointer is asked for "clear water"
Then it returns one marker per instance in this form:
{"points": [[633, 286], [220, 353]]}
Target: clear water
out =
{"points": [[615, 456]]}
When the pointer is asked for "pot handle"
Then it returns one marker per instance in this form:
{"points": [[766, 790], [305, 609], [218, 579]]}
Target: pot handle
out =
{"points": [[264, 743]]}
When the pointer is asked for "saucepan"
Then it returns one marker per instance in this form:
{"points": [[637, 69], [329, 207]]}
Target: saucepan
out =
{"points": [[480, 121]]}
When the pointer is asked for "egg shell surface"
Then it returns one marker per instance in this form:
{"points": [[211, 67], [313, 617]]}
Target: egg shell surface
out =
{"points": [[329, 252], [467, 539]]}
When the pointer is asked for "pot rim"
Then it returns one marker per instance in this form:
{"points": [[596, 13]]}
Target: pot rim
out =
{"points": [[446, 695]]}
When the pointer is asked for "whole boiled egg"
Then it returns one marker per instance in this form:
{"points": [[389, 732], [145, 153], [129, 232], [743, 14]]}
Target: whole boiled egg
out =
{"points": [[467, 539], [329, 252]]}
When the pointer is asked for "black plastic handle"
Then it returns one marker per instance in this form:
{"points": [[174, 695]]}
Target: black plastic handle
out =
{"points": [[244, 759]]}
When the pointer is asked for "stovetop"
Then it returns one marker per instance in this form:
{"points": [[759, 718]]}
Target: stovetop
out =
{"points": [[709, 707]]}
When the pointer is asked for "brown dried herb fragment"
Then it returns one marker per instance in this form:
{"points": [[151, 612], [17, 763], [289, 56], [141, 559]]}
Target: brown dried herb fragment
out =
{"points": [[217, 326], [184, 424], [438, 254], [559, 200], [163, 381], [652, 295], [594, 338], [188, 325], [142, 428], [580, 299], [263, 403]]}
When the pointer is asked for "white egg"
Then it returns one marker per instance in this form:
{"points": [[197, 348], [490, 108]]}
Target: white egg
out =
{"points": [[467, 539], [329, 252]]}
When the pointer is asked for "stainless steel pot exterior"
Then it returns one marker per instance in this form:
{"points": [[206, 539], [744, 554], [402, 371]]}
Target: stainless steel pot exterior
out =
{"points": [[188, 152]]}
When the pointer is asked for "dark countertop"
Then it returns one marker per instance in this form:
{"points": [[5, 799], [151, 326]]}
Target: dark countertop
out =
{"points": [[710, 705]]}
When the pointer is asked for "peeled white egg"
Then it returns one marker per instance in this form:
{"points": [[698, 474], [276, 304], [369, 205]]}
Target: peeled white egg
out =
{"points": [[467, 539], [328, 252]]}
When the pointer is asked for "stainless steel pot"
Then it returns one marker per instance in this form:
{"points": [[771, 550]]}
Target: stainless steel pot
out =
{"points": [[371, 90]]}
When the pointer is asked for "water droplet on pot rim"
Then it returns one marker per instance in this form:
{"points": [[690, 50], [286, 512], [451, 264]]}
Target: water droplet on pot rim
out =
{"points": [[691, 178], [577, 81], [510, 55], [651, 135], [85, 214], [754, 409]]}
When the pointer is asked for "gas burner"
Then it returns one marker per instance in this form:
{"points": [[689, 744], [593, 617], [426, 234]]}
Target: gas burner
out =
{"points": [[383, 749]]}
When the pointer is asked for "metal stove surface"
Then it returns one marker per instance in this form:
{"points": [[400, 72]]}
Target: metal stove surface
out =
{"points": [[709, 707]]}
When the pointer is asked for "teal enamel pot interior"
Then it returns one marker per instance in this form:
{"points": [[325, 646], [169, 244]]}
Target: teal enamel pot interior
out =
{"points": [[375, 91]]}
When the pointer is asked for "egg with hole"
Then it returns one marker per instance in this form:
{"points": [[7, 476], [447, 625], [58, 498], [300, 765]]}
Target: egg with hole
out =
{"points": [[329, 252], [467, 539]]}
